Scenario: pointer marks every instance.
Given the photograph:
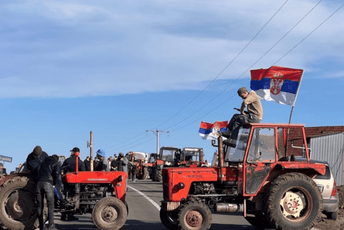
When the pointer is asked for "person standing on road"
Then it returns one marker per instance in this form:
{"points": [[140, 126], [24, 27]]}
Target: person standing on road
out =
{"points": [[254, 114], [102, 164], [87, 164], [48, 175], [34, 161], [133, 172], [122, 163]]}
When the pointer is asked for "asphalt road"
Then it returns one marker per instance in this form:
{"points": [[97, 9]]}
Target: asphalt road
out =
{"points": [[143, 198]]}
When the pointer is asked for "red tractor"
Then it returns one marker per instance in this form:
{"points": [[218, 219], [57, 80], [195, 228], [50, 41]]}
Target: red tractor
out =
{"points": [[190, 156], [268, 177], [139, 161], [100, 193], [167, 158]]}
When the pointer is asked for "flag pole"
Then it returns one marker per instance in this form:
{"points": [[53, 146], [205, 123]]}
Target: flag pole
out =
{"points": [[297, 92]]}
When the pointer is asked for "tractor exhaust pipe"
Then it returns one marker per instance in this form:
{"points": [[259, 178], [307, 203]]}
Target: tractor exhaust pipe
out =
{"points": [[225, 207]]}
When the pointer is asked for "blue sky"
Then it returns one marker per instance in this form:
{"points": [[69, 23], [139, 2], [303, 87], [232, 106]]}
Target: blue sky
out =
{"points": [[119, 68]]}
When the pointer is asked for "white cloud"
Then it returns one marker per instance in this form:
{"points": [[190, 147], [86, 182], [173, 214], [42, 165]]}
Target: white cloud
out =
{"points": [[87, 48]]}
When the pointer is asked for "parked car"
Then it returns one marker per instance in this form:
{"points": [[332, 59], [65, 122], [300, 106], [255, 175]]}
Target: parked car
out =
{"points": [[328, 187]]}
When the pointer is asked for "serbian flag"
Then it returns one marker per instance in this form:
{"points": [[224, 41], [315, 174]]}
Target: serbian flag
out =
{"points": [[209, 131], [277, 83]]}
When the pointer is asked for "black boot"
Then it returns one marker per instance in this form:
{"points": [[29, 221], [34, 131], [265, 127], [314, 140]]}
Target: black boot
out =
{"points": [[226, 134], [230, 142]]}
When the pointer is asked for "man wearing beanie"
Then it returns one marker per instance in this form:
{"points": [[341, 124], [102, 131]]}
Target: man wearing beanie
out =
{"points": [[102, 164], [253, 114], [34, 161]]}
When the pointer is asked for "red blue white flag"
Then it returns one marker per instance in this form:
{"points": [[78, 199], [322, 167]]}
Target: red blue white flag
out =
{"points": [[277, 83], [209, 131]]}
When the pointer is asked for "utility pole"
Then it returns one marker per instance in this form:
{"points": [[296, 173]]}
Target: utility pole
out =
{"points": [[156, 132], [90, 145]]}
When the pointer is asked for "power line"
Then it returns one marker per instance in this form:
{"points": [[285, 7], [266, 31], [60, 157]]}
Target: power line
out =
{"points": [[254, 64], [214, 109], [257, 60], [242, 50], [310, 33]]}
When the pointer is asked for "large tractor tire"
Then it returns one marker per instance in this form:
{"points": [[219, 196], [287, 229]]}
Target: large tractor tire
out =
{"points": [[169, 219], [144, 174], [194, 215], [17, 203], [109, 213], [158, 175], [294, 202]]}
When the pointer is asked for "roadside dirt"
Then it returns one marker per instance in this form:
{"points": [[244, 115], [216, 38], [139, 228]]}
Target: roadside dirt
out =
{"points": [[326, 224]]}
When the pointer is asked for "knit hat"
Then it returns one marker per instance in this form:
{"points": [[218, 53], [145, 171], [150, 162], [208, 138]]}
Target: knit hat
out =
{"points": [[101, 152], [121, 154], [37, 151], [242, 90]]}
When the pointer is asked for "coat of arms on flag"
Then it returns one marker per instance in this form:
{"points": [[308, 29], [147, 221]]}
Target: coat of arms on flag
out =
{"points": [[276, 83], [209, 131]]}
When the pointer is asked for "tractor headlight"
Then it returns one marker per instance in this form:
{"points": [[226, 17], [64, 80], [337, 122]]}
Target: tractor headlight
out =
{"points": [[181, 185], [120, 178]]}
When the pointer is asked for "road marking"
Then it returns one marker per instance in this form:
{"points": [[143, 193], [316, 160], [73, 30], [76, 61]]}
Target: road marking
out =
{"points": [[144, 195]]}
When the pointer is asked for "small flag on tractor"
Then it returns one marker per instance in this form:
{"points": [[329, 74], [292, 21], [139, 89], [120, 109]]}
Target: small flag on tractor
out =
{"points": [[209, 131], [277, 83]]}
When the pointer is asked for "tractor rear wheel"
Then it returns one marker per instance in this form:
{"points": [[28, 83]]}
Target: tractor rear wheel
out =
{"points": [[109, 213], [194, 215], [294, 202], [17, 203], [169, 219], [158, 175], [142, 175], [145, 173]]}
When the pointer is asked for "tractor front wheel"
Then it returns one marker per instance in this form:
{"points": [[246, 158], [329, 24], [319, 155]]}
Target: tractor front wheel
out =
{"points": [[194, 215], [109, 213], [169, 218]]}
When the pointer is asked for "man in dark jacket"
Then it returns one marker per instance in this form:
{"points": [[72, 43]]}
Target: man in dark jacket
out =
{"points": [[102, 164], [47, 176], [34, 160], [87, 164], [69, 166]]}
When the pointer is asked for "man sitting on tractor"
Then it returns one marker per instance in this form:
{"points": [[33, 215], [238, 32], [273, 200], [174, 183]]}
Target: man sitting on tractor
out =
{"points": [[254, 114]]}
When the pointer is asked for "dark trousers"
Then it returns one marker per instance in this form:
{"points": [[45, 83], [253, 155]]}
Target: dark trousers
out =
{"points": [[133, 172], [239, 120], [45, 188]]}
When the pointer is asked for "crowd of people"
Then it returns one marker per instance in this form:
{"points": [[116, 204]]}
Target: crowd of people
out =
{"points": [[47, 172]]}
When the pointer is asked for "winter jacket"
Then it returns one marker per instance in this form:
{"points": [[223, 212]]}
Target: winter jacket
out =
{"points": [[33, 163], [49, 171], [69, 165]]}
